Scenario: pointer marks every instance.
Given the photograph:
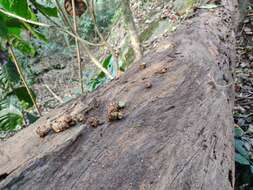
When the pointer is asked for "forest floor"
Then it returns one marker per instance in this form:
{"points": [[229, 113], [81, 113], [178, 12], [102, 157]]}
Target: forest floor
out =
{"points": [[243, 111]]}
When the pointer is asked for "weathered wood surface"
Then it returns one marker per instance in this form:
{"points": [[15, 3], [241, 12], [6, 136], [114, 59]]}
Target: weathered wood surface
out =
{"points": [[176, 135]]}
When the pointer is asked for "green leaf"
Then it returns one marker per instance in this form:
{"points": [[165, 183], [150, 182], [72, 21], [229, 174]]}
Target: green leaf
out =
{"points": [[49, 11], [251, 168], [23, 46], [238, 132], [19, 7], [11, 117], [31, 117], [3, 28], [101, 78], [14, 31], [10, 121], [35, 33], [241, 160], [23, 96], [9, 76], [240, 148]]}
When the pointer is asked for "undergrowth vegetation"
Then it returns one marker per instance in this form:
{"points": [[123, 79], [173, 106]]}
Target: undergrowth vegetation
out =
{"points": [[29, 43]]}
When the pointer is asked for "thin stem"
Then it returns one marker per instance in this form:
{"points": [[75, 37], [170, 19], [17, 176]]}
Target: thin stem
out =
{"points": [[54, 95], [107, 44], [63, 15], [95, 61], [23, 19], [77, 47], [22, 76]]}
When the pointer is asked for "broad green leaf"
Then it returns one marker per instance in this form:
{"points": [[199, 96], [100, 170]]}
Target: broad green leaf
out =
{"points": [[23, 46], [101, 77], [9, 76], [240, 148], [49, 11], [31, 117], [3, 28], [10, 121], [14, 31], [23, 96], [35, 33], [240, 159], [238, 132], [11, 117], [19, 7]]}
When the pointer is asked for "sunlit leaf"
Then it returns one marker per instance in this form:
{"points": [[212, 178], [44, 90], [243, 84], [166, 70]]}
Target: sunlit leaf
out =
{"points": [[49, 11]]}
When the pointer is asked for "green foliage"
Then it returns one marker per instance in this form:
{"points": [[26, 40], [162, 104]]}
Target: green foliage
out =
{"points": [[11, 117], [103, 20], [14, 98], [49, 11], [243, 157], [101, 77]]}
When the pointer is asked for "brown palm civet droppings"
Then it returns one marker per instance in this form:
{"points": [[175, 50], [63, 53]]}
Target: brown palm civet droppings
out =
{"points": [[93, 122], [143, 66], [63, 123], [79, 118], [162, 71], [114, 112], [80, 7], [43, 130], [148, 85]]}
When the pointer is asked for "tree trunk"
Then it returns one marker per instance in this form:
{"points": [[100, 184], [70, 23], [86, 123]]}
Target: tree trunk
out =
{"points": [[176, 133]]}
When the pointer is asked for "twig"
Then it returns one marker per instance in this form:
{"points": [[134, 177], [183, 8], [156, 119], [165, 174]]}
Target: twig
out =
{"points": [[54, 95], [132, 30], [23, 19], [63, 15], [77, 47], [83, 45], [107, 44], [18, 67]]}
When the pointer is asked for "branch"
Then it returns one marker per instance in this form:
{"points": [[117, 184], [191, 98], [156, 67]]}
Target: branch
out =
{"points": [[77, 47], [22, 76]]}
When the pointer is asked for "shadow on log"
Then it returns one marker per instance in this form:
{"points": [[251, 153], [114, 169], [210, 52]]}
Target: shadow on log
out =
{"points": [[176, 131]]}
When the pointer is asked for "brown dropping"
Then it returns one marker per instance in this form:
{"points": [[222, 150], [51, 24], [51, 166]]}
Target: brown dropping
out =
{"points": [[79, 4], [93, 122], [43, 130], [143, 66], [148, 85], [63, 123], [163, 70], [114, 112], [79, 118]]}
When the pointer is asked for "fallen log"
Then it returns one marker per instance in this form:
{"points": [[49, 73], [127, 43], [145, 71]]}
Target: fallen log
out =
{"points": [[176, 130]]}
